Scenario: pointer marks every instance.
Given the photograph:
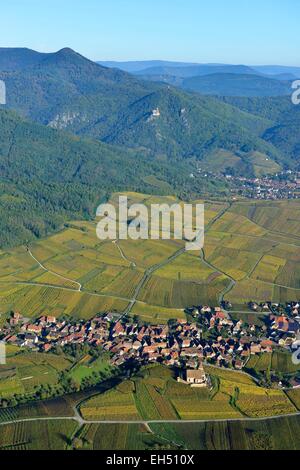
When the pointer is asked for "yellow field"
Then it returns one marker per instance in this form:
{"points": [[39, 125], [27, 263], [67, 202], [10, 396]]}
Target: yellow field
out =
{"points": [[152, 313], [250, 399]]}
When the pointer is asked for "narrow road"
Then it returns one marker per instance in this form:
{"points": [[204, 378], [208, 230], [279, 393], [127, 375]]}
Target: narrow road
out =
{"points": [[116, 242], [82, 421], [211, 266], [52, 272], [69, 289]]}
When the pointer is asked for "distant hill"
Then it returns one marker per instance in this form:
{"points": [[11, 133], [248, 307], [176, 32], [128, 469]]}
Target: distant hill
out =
{"points": [[163, 67], [285, 131], [138, 66], [196, 70], [237, 85], [277, 70]]}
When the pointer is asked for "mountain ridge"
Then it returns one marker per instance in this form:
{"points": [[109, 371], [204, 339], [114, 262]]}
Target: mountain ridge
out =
{"points": [[67, 91]]}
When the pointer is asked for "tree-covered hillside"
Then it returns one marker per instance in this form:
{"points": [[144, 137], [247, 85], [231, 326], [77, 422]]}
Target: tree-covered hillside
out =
{"points": [[49, 177], [67, 91], [284, 132], [12, 59]]}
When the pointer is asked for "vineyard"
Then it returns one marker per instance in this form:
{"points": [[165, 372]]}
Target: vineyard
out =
{"points": [[278, 361], [43, 435], [157, 396], [78, 275]]}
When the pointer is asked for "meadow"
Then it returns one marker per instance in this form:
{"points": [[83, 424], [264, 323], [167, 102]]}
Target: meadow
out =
{"points": [[27, 373]]}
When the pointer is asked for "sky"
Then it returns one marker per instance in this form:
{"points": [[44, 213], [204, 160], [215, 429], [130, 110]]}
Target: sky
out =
{"points": [[252, 32]]}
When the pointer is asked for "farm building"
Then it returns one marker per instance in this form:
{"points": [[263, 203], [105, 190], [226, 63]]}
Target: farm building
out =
{"points": [[196, 376]]}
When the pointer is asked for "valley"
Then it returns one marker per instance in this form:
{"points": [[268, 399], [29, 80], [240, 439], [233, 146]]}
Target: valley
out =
{"points": [[140, 344]]}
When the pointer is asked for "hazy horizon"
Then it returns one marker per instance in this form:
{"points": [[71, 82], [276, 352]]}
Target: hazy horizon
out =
{"points": [[193, 31]]}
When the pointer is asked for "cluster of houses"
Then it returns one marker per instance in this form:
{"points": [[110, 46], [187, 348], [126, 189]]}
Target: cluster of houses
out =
{"points": [[233, 342], [283, 185], [213, 337]]}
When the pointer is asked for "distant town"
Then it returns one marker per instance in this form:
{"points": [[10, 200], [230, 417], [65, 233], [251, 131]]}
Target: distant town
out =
{"points": [[283, 185], [210, 336]]}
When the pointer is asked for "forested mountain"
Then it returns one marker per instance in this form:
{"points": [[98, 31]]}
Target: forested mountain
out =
{"points": [[67, 91], [284, 134], [49, 176], [188, 126], [197, 70], [124, 134]]}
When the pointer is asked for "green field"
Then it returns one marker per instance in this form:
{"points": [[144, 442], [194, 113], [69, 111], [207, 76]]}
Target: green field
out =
{"points": [[27, 373], [276, 434], [88, 366], [37, 435], [278, 361]]}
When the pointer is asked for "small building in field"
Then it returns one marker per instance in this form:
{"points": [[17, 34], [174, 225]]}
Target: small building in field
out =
{"points": [[196, 376]]}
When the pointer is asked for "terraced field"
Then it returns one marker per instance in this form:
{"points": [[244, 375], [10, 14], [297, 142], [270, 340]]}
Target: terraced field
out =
{"points": [[251, 252]]}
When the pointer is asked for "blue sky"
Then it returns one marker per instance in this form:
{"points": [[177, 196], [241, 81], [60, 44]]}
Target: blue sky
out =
{"points": [[232, 31]]}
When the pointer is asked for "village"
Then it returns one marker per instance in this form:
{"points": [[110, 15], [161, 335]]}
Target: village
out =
{"points": [[281, 186], [210, 336]]}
